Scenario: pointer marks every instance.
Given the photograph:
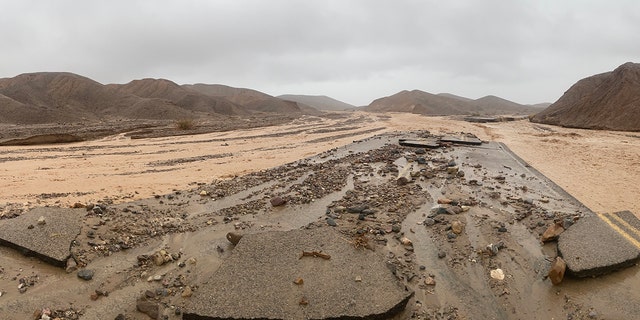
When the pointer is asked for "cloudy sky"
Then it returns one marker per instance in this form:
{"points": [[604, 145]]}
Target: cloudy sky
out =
{"points": [[352, 50]]}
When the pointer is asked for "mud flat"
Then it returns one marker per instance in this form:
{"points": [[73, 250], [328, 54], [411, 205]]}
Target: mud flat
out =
{"points": [[462, 231]]}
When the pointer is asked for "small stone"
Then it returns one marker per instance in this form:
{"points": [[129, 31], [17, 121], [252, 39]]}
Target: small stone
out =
{"points": [[178, 311], [41, 221], [158, 258], [444, 201], [358, 279], [422, 268], [147, 307], [567, 222], [361, 216], [497, 274], [234, 238], [277, 201], [552, 232], [452, 170], [502, 229], [451, 235], [187, 292], [441, 254], [456, 227], [71, 265], [191, 260], [593, 314], [204, 193], [395, 228], [85, 274], [492, 249], [405, 241], [298, 281], [157, 277], [331, 222], [556, 273], [430, 281], [150, 294], [120, 317], [429, 222]]}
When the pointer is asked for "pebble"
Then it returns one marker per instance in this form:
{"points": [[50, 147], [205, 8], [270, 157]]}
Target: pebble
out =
{"points": [[429, 222], [358, 279], [85, 274], [456, 227], [395, 228], [502, 229], [430, 281], [451, 235], [331, 222], [497, 274], [120, 317], [234, 238], [441, 254], [556, 273], [42, 221], [277, 201], [405, 241], [187, 292], [148, 307]]}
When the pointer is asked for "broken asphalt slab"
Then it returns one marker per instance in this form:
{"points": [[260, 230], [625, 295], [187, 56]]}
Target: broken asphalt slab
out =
{"points": [[48, 239], [268, 277], [420, 143], [465, 138], [601, 244]]}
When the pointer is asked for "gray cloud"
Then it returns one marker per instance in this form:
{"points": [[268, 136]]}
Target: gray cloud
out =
{"points": [[525, 51]]}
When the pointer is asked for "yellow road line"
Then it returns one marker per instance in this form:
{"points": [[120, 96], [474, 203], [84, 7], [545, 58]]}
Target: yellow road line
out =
{"points": [[624, 223], [619, 231]]}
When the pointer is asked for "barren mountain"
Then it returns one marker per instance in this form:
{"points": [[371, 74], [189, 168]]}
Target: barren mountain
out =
{"points": [[187, 99], [60, 97], [319, 102], [609, 100], [252, 99], [421, 102]]}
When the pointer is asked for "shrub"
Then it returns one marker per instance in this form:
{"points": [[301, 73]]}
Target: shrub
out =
{"points": [[185, 124]]}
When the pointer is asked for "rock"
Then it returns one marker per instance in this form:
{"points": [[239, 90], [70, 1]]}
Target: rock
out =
{"points": [[441, 254], [429, 222], [404, 176], [120, 317], [497, 274], [278, 201], [358, 279], [405, 241], [502, 229], [429, 281], [204, 193], [556, 273], [71, 265], [158, 258], [444, 201], [147, 307], [234, 238], [395, 228], [492, 249], [85, 274], [42, 221], [552, 232], [331, 222], [452, 170], [298, 281], [187, 292], [567, 222], [457, 227], [451, 235]]}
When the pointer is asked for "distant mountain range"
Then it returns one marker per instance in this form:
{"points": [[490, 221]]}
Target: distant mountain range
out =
{"points": [[609, 100], [425, 103], [61, 97], [319, 102]]}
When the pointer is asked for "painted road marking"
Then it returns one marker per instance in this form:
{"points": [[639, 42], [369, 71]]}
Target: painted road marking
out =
{"points": [[613, 226], [625, 224]]}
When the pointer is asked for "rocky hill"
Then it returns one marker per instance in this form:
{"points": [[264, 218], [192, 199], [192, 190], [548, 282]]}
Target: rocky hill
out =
{"points": [[251, 99], [609, 100], [319, 102], [421, 102], [61, 97]]}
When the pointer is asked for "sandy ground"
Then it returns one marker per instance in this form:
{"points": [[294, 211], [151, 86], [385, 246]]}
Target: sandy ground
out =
{"points": [[599, 168]]}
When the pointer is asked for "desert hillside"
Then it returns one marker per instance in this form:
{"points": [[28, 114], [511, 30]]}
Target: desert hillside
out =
{"points": [[609, 100], [251, 99], [62, 97], [425, 103], [319, 102]]}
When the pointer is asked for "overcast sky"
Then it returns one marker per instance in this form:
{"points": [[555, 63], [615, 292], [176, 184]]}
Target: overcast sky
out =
{"points": [[352, 50]]}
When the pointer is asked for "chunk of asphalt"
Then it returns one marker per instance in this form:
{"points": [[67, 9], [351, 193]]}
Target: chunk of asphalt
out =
{"points": [[601, 244], [462, 139], [258, 281], [50, 240]]}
